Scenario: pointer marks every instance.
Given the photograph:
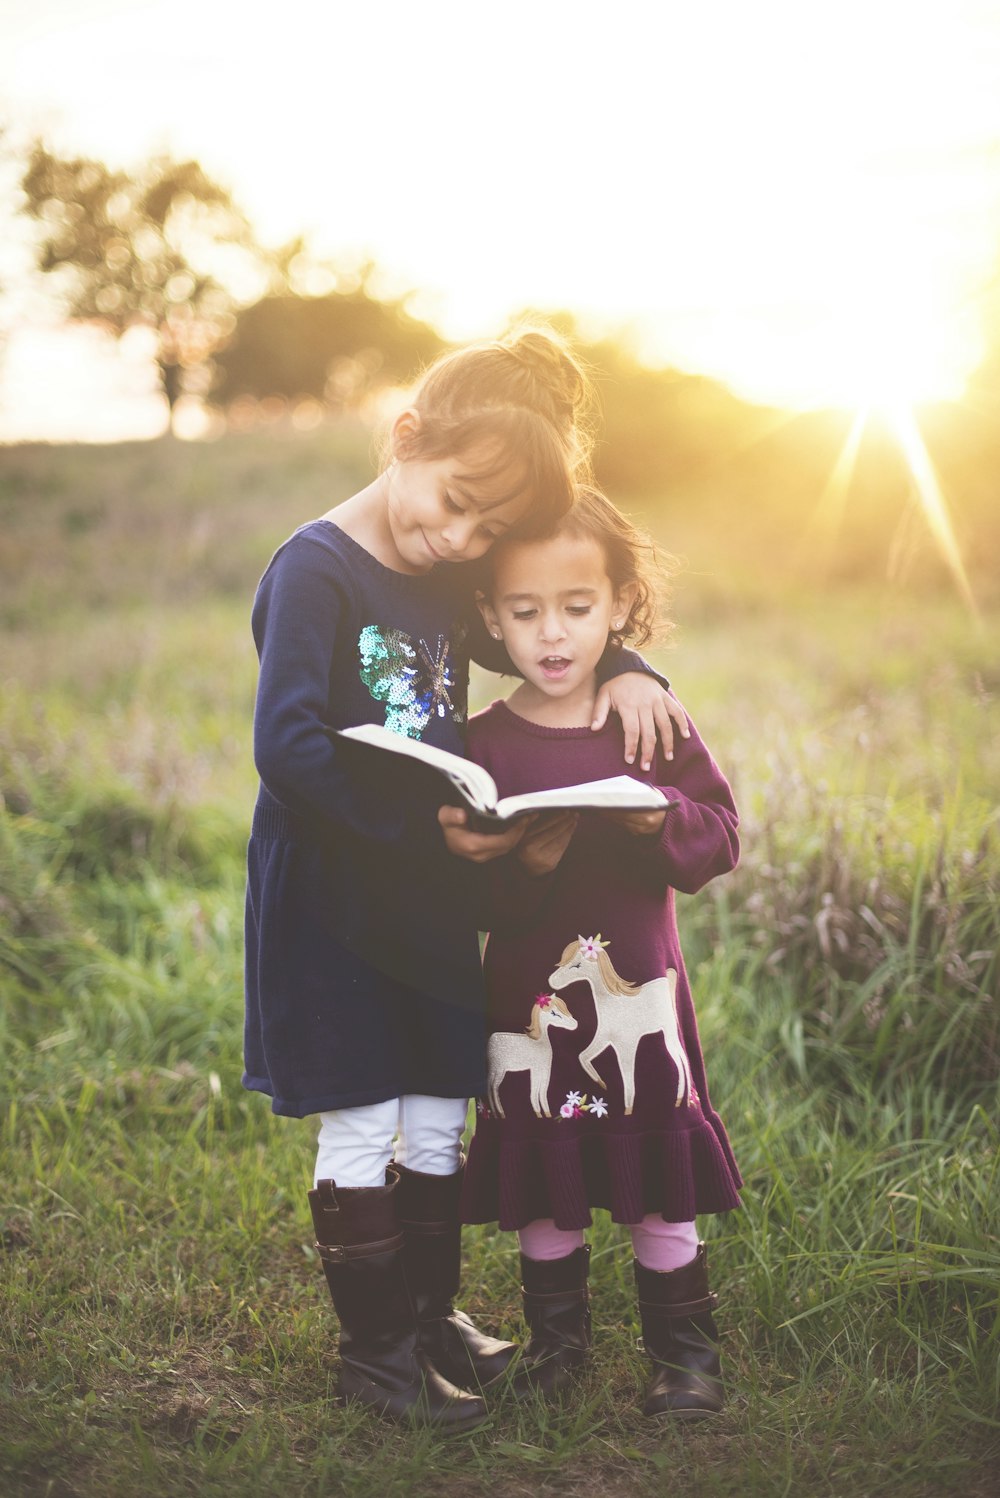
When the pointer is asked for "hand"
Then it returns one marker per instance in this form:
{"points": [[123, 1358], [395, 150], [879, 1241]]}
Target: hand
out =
{"points": [[545, 842], [639, 823], [645, 710], [478, 847]]}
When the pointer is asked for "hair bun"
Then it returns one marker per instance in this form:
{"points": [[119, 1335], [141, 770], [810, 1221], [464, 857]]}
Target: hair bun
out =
{"points": [[547, 358]]}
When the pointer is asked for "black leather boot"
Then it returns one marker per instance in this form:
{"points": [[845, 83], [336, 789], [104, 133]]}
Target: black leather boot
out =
{"points": [[680, 1336], [427, 1209], [381, 1362], [557, 1310]]}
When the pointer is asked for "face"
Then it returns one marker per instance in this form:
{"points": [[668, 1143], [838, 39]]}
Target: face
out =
{"points": [[554, 607], [439, 512]]}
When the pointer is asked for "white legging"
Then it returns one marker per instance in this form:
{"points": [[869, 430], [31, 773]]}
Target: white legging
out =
{"points": [[424, 1133]]}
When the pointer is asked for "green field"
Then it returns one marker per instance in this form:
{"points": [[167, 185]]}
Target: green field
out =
{"points": [[164, 1322]]}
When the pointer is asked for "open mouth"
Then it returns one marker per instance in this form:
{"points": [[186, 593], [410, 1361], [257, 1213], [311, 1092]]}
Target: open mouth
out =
{"points": [[554, 666]]}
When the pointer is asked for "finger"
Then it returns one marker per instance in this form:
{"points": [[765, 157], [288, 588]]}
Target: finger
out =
{"points": [[679, 716], [545, 840], [647, 736], [602, 706], [493, 844], [452, 816], [665, 727], [559, 836], [480, 847], [545, 820], [630, 728]]}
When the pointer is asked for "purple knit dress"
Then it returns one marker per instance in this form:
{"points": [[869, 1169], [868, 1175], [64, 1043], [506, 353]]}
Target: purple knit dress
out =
{"points": [[597, 1094]]}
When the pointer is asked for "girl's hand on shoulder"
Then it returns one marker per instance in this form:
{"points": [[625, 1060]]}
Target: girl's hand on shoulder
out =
{"points": [[545, 842], [478, 847], [646, 711]]}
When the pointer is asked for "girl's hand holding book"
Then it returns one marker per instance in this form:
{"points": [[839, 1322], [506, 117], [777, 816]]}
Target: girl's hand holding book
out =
{"points": [[546, 840], [478, 847], [639, 823]]}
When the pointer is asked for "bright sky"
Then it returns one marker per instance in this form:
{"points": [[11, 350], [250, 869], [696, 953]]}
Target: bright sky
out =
{"points": [[801, 200]]}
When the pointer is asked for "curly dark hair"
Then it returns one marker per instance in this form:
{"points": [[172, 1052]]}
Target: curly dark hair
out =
{"points": [[632, 557]]}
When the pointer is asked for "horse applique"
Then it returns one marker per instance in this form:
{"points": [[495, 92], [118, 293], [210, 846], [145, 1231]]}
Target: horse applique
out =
{"points": [[530, 1051], [625, 1013]]}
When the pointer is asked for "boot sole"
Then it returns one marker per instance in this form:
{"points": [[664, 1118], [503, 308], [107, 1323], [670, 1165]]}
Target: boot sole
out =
{"points": [[685, 1417], [377, 1402]]}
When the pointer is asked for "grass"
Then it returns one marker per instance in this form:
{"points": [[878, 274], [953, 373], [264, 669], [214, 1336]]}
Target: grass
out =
{"points": [[163, 1316]]}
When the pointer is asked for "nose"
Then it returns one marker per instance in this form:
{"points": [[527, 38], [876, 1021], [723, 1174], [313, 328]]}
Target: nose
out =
{"points": [[552, 627], [459, 531]]}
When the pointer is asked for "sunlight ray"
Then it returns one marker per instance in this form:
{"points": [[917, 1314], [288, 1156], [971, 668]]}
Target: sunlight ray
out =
{"points": [[931, 497], [829, 513]]}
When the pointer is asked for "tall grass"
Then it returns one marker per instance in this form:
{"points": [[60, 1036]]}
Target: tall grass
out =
{"points": [[163, 1315]]}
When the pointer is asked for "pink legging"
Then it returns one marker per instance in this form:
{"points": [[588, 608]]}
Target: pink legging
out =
{"points": [[657, 1244]]}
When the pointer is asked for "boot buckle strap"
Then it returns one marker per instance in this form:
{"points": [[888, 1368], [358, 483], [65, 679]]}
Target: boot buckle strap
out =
{"points": [[681, 1308], [341, 1253], [425, 1229], [576, 1294]]}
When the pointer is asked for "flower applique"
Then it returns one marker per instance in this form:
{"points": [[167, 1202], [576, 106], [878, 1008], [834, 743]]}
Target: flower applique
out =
{"points": [[591, 946], [576, 1106], [415, 679]]}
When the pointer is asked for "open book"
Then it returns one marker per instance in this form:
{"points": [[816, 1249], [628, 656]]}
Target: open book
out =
{"points": [[478, 790]]}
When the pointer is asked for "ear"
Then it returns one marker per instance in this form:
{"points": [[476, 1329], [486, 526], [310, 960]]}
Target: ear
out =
{"points": [[624, 602], [489, 616], [405, 429]]}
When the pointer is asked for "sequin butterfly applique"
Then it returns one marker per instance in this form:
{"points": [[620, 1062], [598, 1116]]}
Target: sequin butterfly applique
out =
{"points": [[414, 679]]}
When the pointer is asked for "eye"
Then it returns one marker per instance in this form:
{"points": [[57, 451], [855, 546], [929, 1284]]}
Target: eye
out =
{"points": [[578, 610], [451, 505], [523, 614]]}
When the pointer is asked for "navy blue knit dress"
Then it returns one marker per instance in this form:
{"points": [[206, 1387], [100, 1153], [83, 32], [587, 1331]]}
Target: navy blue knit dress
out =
{"points": [[363, 979]]}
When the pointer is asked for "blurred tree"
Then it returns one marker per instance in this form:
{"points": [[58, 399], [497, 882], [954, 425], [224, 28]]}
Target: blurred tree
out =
{"points": [[335, 348], [160, 248], [655, 426]]}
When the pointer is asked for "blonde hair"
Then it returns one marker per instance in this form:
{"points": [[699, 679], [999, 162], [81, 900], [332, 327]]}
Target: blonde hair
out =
{"points": [[519, 407], [612, 982], [534, 1026]]}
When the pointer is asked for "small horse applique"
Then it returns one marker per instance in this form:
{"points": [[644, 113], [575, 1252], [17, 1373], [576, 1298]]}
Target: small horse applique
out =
{"points": [[530, 1051], [625, 1013]]}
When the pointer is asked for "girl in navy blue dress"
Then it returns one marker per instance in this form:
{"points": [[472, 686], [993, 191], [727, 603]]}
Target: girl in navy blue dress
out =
{"points": [[364, 993]]}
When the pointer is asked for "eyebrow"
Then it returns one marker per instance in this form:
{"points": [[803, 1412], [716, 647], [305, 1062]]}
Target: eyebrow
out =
{"points": [[530, 597], [481, 505]]}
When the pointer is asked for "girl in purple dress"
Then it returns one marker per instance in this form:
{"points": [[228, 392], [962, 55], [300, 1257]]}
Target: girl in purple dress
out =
{"points": [[596, 1093]]}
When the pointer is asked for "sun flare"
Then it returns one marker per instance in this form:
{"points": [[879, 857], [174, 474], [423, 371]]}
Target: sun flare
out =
{"points": [[926, 492], [798, 201], [930, 496]]}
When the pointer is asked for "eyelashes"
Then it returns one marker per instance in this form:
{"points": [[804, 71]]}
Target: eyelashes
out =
{"points": [[575, 611]]}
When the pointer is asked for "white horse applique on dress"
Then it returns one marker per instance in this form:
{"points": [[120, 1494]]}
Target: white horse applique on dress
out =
{"points": [[625, 1013], [530, 1051]]}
